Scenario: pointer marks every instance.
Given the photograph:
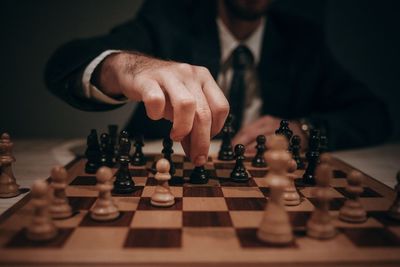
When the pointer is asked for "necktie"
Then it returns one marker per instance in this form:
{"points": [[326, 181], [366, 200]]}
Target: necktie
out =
{"points": [[242, 59]]}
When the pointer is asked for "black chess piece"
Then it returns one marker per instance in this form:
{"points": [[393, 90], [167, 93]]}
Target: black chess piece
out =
{"points": [[323, 144], [199, 175], [124, 183], [167, 152], [125, 150], [394, 210], [138, 158], [107, 151], [92, 152], [226, 151], [284, 130], [239, 172], [258, 160], [113, 133], [295, 149], [312, 156]]}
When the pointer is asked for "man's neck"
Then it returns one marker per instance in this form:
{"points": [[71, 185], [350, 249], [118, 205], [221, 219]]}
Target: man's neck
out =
{"points": [[240, 29]]}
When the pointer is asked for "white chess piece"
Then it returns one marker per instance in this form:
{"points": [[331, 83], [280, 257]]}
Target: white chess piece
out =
{"points": [[104, 209], [290, 195], [162, 196], [60, 207]]}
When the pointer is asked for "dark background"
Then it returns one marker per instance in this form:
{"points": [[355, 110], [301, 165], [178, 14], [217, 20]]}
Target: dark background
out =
{"points": [[363, 35]]}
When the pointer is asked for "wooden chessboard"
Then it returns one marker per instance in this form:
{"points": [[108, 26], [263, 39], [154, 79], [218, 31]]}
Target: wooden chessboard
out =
{"points": [[209, 224]]}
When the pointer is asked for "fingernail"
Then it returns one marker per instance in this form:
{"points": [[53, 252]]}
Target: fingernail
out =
{"points": [[200, 160]]}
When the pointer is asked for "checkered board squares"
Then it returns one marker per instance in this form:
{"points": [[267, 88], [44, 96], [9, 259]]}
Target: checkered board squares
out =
{"points": [[220, 219]]}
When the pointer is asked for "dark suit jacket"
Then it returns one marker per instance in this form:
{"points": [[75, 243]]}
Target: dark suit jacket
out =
{"points": [[298, 76]]}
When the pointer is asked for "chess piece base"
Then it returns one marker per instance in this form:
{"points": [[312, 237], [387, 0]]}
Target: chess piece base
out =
{"points": [[325, 231], [10, 194], [162, 204], [291, 198], [240, 178], [105, 215], [275, 239], [42, 233], [352, 214], [162, 198], [61, 212]]}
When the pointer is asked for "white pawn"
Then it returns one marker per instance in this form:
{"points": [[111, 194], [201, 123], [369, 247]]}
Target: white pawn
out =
{"points": [[290, 196], [42, 226], [162, 196], [320, 224], [275, 227], [60, 207], [352, 210], [104, 208]]}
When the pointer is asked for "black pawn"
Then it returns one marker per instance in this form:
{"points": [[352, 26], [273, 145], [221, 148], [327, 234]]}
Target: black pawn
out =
{"points": [[239, 173], [394, 210], [124, 183], [312, 156], [258, 160], [107, 151], [284, 130], [92, 152], [113, 133], [226, 151], [167, 152], [295, 148], [138, 158], [199, 175]]}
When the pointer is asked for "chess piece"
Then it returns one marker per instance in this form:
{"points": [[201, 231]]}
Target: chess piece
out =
{"points": [[167, 152], [239, 172], [104, 208], [124, 183], [138, 158], [112, 132], [92, 152], [107, 151], [290, 195], [312, 156], [60, 207], [295, 149], [284, 130], [258, 160], [8, 184], [42, 227], [198, 175], [352, 210], [394, 210], [320, 224], [275, 227], [226, 151], [162, 196], [323, 144]]}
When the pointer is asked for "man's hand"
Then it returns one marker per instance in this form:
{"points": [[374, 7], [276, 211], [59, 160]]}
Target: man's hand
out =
{"points": [[184, 94], [266, 125]]}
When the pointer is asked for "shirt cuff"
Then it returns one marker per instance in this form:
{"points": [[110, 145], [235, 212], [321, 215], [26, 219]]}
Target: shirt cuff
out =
{"points": [[92, 92]]}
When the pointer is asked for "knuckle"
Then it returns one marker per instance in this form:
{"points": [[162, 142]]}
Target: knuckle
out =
{"points": [[202, 71], [184, 67], [186, 104], [203, 115], [222, 109]]}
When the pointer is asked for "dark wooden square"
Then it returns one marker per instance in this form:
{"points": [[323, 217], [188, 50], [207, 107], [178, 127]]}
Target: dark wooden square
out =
{"points": [[224, 165], [335, 204], [298, 219], [123, 220], [138, 190], [139, 172], [372, 237], [19, 240], [202, 191], [265, 190], [384, 218], [84, 180], [175, 181], [154, 238], [339, 174], [244, 203], [210, 173], [206, 219], [145, 204], [368, 192], [258, 173], [227, 182], [248, 239], [81, 203]]}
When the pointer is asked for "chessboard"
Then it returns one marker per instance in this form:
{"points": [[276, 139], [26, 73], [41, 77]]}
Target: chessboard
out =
{"points": [[210, 224]]}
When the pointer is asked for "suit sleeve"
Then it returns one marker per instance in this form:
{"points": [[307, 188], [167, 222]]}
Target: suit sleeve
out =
{"points": [[64, 70], [351, 114]]}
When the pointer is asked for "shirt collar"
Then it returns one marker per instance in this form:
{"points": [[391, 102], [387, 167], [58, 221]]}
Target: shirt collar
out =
{"points": [[228, 42]]}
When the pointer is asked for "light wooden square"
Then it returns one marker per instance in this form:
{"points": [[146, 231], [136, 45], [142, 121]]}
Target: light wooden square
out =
{"points": [[242, 192], [199, 239], [204, 204], [246, 219], [308, 192], [78, 191], [126, 203], [157, 219], [88, 238]]}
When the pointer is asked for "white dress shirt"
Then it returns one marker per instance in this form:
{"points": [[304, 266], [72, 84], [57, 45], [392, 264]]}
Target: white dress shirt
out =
{"points": [[228, 43]]}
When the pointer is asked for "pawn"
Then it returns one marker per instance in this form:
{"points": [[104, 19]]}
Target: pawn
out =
{"points": [[42, 227], [258, 160], [352, 210], [295, 148], [312, 158], [394, 210], [104, 209], [239, 172], [60, 207], [198, 175], [162, 196], [290, 195], [138, 158], [284, 130], [320, 224], [8, 183]]}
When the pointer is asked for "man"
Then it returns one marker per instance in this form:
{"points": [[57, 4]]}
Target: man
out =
{"points": [[181, 58]]}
